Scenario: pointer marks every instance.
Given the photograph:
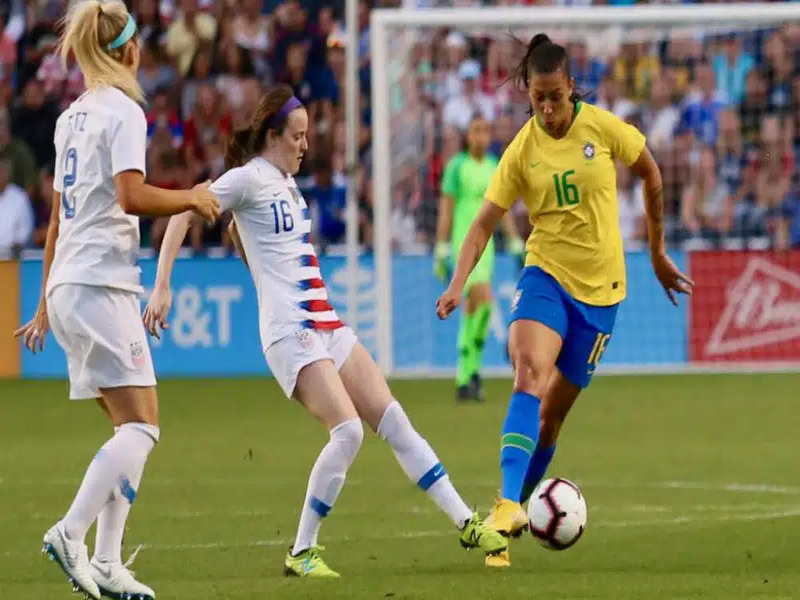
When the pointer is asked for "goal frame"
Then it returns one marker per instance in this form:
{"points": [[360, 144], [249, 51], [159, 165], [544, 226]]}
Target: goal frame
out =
{"points": [[382, 20]]}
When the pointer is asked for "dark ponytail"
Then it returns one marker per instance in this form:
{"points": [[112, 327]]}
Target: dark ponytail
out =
{"points": [[544, 57], [238, 148], [243, 144]]}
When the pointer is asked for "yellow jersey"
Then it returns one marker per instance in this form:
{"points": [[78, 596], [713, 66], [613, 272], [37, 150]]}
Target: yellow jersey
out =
{"points": [[569, 186]]}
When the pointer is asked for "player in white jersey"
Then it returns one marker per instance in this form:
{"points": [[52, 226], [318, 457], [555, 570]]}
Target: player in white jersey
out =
{"points": [[313, 355], [90, 287]]}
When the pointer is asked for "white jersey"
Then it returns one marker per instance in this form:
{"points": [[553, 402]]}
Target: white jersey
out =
{"points": [[101, 134], [275, 228]]}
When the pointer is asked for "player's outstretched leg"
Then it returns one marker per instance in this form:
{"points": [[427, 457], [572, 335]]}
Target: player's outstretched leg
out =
{"points": [[320, 390], [375, 404], [109, 474]]}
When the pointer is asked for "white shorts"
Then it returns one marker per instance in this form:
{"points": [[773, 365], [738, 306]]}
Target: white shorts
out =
{"points": [[102, 334], [290, 354]]}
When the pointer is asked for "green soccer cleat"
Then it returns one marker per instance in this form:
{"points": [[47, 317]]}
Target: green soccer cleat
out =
{"points": [[477, 534], [308, 564]]}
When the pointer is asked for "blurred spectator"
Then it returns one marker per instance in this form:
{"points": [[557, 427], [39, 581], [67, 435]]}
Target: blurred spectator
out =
{"points": [[19, 155], [208, 121], [706, 211], [659, 116], [149, 23], [16, 226], [753, 106], [587, 71], [455, 52], [40, 38], [767, 181], [61, 86], [609, 97], [235, 69], [328, 199], [635, 70], [293, 27], [162, 119], [188, 32], [502, 133], [316, 88], [702, 107], [630, 198], [778, 73], [459, 110], [153, 72], [34, 121], [731, 156], [253, 29], [199, 73], [8, 48], [731, 67]]}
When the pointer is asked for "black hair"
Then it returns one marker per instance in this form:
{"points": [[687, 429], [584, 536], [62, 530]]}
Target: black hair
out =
{"points": [[465, 134], [544, 57]]}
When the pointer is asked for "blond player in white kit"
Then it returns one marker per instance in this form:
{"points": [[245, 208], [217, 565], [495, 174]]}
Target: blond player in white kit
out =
{"points": [[313, 355], [90, 287]]}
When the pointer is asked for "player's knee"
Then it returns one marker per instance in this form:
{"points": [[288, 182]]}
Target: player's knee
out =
{"points": [[529, 375], [348, 435]]}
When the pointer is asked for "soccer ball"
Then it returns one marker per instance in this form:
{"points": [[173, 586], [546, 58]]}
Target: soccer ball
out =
{"points": [[557, 513]]}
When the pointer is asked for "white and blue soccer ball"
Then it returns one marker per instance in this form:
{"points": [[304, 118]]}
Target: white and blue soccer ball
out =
{"points": [[557, 513]]}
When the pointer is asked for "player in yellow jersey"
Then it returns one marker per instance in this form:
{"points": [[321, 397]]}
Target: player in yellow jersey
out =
{"points": [[561, 164]]}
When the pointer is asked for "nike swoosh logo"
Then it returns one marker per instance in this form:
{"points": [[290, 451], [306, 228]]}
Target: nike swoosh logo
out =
{"points": [[276, 194], [535, 164]]}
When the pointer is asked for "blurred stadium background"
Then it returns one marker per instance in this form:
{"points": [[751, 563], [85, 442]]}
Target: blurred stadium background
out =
{"points": [[711, 457]]}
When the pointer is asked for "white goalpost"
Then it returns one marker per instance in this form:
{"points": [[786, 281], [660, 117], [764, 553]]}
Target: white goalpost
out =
{"points": [[397, 36]]}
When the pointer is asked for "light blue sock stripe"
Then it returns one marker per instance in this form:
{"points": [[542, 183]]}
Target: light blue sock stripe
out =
{"points": [[319, 507], [127, 490], [431, 477]]}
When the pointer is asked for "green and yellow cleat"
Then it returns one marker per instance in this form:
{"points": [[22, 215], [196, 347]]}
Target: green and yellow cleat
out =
{"points": [[477, 534], [308, 564]]}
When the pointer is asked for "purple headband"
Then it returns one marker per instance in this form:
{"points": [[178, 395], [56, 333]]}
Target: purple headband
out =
{"points": [[291, 104]]}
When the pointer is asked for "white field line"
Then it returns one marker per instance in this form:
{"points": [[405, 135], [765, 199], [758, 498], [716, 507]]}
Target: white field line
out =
{"points": [[272, 542]]}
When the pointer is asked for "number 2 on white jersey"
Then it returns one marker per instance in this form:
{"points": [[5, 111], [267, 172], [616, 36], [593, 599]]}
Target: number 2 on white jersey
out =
{"points": [[70, 174]]}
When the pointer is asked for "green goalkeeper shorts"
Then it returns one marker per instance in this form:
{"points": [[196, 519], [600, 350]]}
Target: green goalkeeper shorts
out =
{"points": [[484, 270]]}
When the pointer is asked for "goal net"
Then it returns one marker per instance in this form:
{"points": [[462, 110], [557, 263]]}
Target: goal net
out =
{"points": [[715, 90]]}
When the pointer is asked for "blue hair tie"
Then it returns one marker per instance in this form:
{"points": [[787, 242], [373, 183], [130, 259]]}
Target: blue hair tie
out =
{"points": [[125, 35]]}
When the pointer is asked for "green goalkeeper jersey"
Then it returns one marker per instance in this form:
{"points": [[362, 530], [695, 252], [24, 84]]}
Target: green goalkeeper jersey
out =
{"points": [[465, 179]]}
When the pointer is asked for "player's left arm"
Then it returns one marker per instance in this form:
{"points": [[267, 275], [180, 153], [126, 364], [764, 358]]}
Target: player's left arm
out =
{"points": [[233, 231], [670, 277]]}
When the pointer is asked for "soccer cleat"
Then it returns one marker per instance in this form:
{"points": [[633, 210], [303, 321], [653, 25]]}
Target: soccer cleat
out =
{"points": [[73, 559], [114, 580], [308, 564], [498, 560], [464, 393], [477, 534], [508, 518], [476, 385]]}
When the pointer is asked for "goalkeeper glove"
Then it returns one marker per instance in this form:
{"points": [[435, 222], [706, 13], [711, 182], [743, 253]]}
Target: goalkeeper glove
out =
{"points": [[516, 247], [441, 261]]}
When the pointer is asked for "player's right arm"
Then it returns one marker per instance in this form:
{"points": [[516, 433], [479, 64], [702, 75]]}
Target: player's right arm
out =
{"points": [[34, 332], [230, 190], [504, 189]]}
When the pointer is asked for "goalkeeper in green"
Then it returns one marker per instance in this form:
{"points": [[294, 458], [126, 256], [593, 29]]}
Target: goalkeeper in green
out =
{"points": [[466, 177]]}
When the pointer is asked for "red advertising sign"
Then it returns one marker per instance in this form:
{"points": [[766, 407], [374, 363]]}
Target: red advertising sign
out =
{"points": [[745, 307]]}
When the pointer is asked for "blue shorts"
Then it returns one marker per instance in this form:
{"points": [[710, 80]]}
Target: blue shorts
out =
{"points": [[584, 329]]}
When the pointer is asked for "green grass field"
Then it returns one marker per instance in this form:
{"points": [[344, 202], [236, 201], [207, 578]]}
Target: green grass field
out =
{"points": [[692, 486]]}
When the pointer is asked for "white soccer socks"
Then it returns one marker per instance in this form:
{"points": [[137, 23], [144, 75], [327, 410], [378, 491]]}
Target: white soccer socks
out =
{"points": [[326, 480], [112, 476], [420, 463]]}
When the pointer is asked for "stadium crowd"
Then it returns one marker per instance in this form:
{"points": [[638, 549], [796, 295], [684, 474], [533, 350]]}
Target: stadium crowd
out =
{"points": [[721, 113]]}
